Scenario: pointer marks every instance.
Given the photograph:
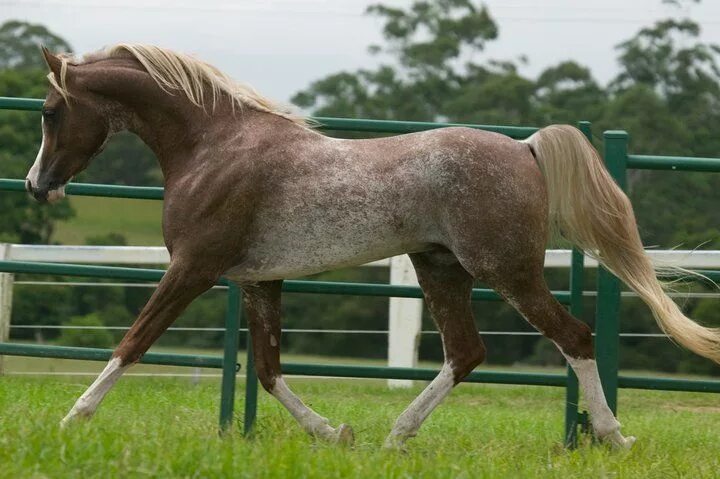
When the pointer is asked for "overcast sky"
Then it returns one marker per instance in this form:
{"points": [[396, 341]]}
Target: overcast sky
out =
{"points": [[280, 46]]}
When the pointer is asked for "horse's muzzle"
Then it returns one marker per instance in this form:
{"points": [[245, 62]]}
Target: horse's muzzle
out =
{"points": [[40, 194]]}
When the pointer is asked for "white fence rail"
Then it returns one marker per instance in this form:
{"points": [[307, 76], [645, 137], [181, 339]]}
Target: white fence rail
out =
{"points": [[554, 258], [405, 314]]}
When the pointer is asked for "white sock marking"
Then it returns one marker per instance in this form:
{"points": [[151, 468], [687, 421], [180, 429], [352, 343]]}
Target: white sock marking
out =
{"points": [[90, 400], [311, 421], [412, 418], [602, 418]]}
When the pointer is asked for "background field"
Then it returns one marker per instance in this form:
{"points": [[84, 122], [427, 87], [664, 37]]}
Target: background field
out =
{"points": [[138, 220], [164, 427]]}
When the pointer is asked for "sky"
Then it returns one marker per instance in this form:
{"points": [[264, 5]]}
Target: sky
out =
{"points": [[281, 46]]}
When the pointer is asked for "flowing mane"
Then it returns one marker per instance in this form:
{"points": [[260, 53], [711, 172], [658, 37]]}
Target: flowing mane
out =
{"points": [[174, 71]]}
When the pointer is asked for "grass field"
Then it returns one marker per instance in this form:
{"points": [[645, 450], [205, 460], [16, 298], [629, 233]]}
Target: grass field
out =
{"points": [[138, 220], [163, 427]]}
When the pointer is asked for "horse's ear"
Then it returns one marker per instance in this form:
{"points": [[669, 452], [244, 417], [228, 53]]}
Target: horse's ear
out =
{"points": [[53, 62]]}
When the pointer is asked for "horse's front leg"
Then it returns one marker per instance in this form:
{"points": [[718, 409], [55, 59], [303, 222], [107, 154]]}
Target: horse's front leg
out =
{"points": [[262, 305], [181, 284]]}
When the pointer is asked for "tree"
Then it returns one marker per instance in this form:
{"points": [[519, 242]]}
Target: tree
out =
{"points": [[667, 95], [125, 161], [86, 338], [22, 74], [19, 43], [430, 45]]}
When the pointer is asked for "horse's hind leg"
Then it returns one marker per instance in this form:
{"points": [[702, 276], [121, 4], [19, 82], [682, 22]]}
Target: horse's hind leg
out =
{"points": [[447, 288], [262, 304], [529, 294]]}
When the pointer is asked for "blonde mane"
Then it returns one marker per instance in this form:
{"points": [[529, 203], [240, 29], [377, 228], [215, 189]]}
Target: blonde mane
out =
{"points": [[174, 71]]}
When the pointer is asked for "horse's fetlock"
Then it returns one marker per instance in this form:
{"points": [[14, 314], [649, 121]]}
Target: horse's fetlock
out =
{"points": [[605, 428]]}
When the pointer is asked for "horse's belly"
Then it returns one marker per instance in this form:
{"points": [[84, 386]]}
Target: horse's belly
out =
{"points": [[285, 255]]}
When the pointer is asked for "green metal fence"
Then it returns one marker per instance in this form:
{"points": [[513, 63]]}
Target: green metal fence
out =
{"points": [[618, 161], [607, 322]]}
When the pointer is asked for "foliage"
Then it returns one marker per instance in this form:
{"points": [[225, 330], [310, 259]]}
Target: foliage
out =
{"points": [[22, 220], [19, 42], [126, 160], [33, 305], [86, 338]]}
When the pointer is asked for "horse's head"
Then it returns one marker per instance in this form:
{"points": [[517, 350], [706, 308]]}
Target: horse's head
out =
{"points": [[74, 130]]}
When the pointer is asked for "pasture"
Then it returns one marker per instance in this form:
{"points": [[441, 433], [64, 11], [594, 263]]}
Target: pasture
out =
{"points": [[138, 220], [166, 427]]}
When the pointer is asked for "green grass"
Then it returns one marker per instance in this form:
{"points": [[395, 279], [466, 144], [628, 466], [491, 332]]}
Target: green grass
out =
{"points": [[167, 428], [138, 220]]}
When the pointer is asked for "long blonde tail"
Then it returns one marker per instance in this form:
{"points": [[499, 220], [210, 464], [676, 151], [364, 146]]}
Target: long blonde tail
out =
{"points": [[588, 208]]}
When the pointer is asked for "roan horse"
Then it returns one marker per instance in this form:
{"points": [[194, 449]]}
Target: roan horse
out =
{"points": [[255, 194]]}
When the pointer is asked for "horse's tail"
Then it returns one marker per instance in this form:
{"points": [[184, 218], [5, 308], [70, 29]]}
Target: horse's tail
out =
{"points": [[589, 209]]}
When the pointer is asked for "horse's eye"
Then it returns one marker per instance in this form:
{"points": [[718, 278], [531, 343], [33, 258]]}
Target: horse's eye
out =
{"points": [[48, 114]]}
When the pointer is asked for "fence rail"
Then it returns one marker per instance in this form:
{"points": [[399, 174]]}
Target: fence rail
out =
{"points": [[673, 163], [617, 161], [154, 255], [289, 286], [335, 124]]}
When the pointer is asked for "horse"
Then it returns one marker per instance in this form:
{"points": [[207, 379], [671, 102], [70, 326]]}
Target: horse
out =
{"points": [[255, 194]]}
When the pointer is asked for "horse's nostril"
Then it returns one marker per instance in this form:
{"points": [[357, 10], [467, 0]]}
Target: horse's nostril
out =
{"points": [[40, 196], [28, 185]]}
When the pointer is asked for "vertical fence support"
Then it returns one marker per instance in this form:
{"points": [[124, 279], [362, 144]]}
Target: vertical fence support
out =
{"points": [[6, 295], [404, 321], [251, 388], [607, 317], [577, 269], [572, 393], [229, 371]]}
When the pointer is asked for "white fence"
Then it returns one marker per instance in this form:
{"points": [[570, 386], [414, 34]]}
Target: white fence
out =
{"points": [[405, 314]]}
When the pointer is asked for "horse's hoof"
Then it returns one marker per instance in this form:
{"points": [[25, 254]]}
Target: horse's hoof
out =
{"points": [[629, 442], [620, 442], [75, 415], [395, 443], [69, 420], [344, 435]]}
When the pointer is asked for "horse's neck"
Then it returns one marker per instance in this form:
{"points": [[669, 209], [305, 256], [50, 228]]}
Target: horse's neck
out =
{"points": [[177, 137], [174, 132]]}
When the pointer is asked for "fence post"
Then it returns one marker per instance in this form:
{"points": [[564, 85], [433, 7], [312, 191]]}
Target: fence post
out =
{"points": [[229, 371], [404, 321], [607, 315], [572, 393], [6, 296], [577, 269]]}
